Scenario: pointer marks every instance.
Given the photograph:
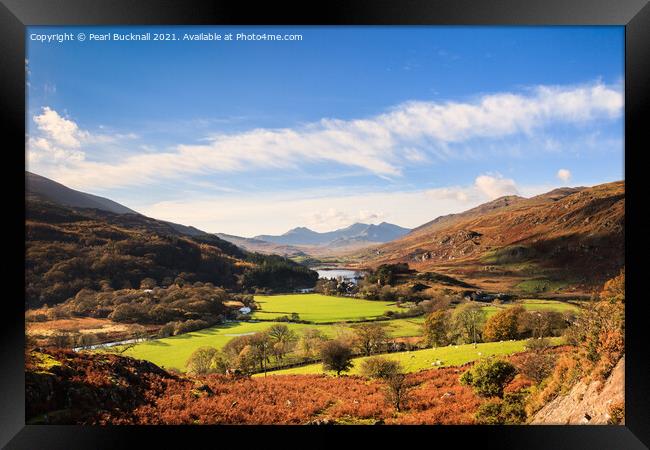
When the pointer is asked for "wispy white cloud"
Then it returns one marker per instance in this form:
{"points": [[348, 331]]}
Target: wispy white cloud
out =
{"points": [[383, 145], [240, 214]]}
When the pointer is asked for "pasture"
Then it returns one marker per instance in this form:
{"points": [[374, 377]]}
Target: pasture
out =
{"points": [[173, 352], [531, 304], [318, 308], [414, 361]]}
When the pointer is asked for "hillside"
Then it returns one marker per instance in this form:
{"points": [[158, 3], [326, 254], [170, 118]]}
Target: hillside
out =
{"points": [[41, 188], [569, 236], [70, 249], [587, 403]]}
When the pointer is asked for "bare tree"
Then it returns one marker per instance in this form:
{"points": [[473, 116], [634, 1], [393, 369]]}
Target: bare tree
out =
{"points": [[397, 390]]}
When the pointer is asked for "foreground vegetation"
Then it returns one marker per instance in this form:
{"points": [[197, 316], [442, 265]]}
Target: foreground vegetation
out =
{"points": [[414, 361], [508, 382]]}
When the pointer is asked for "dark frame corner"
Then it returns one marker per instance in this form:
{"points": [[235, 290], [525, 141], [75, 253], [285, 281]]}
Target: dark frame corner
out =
{"points": [[15, 15]]}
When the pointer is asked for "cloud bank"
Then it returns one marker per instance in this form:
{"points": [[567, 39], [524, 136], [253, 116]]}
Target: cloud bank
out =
{"points": [[383, 145]]}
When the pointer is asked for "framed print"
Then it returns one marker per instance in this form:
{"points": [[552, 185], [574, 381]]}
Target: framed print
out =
{"points": [[266, 224]]}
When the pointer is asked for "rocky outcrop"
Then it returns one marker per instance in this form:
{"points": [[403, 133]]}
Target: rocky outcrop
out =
{"points": [[592, 403]]}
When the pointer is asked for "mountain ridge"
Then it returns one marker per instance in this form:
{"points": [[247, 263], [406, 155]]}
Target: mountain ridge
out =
{"points": [[564, 236], [384, 232]]}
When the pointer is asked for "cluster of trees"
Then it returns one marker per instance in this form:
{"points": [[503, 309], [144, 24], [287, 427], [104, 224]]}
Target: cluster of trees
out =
{"points": [[279, 345], [399, 294], [68, 251], [333, 286], [198, 304], [276, 273], [468, 324], [252, 353], [387, 274]]}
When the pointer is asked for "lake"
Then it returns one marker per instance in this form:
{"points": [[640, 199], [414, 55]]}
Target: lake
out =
{"points": [[346, 274]]}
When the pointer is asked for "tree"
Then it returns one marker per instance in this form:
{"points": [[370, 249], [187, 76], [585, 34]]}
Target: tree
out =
{"points": [[206, 360], [614, 289], [261, 348], [397, 390], [282, 339], [369, 337], [599, 329], [310, 342], [336, 356], [489, 377], [537, 364], [468, 319], [437, 328], [200, 361], [504, 325], [379, 367]]}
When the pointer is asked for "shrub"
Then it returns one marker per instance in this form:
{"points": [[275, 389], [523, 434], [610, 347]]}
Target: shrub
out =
{"points": [[336, 356], [509, 411], [379, 367], [189, 326], [489, 377], [167, 330], [616, 413]]}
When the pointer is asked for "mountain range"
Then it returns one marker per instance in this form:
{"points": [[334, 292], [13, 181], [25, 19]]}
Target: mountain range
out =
{"points": [[355, 236], [565, 237], [355, 233]]}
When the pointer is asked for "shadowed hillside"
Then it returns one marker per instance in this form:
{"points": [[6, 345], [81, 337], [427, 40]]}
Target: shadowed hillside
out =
{"points": [[68, 250]]}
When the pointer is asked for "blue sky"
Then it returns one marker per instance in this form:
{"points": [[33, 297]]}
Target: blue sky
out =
{"points": [[348, 124]]}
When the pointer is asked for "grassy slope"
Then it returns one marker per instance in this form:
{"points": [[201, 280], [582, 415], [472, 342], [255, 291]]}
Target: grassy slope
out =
{"points": [[320, 308], [453, 355], [174, 351], [534, 305]]}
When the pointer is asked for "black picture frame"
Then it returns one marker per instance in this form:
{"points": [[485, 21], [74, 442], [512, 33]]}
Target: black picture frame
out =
{"points": [[15, 15]]}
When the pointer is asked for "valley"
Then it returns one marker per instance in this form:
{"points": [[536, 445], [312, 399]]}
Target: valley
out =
{"points": [[505, 281]]}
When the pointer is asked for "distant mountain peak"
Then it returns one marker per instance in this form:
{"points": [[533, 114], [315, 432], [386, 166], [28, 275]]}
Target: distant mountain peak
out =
{"points": [[357, 232]]}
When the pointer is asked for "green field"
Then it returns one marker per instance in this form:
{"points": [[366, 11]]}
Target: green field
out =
{"points": [[533, 305], [173, 352], [319, 308], [453, 355], [548, 305]]}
